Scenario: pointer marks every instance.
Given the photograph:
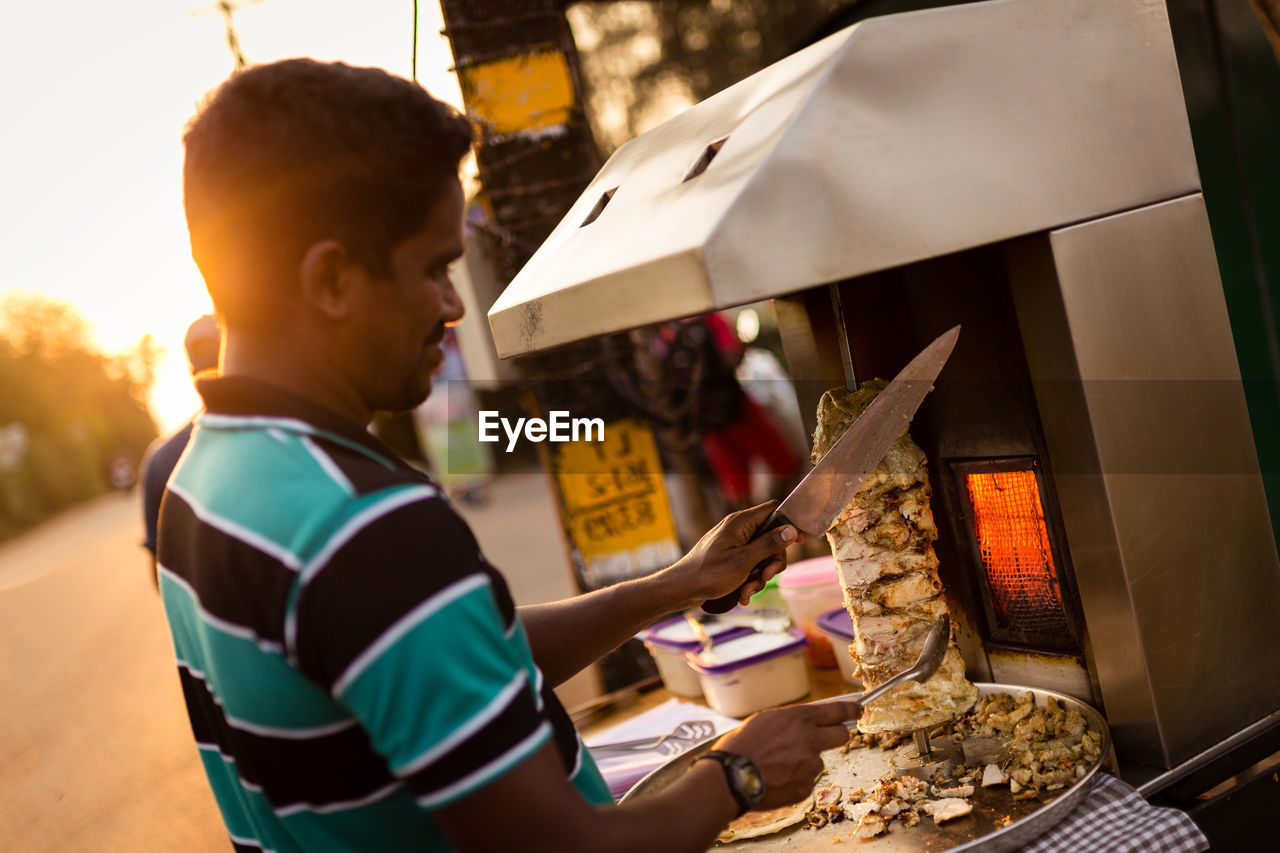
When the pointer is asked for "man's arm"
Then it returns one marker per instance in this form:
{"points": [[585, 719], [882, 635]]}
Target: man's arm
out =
{"points": [[567, 636], [151, 496], [153, 476], [461, 725], [533, 808]]}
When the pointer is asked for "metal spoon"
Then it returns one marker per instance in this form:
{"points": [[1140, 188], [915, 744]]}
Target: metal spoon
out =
{"points": [[766, 620], [699, 631], [935, 648]]}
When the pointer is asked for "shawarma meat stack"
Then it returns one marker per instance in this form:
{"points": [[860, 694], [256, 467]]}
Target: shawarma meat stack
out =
{"points": [[883, 545]]}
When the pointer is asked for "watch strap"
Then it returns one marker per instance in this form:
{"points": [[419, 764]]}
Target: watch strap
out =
{"points": [[730, 761]]}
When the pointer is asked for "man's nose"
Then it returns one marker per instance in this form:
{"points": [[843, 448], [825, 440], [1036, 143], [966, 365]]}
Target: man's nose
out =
{"points": [[451, 307]]}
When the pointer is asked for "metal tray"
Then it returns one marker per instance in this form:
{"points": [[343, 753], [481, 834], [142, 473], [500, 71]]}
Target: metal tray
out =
{"points": [[980, 831]]}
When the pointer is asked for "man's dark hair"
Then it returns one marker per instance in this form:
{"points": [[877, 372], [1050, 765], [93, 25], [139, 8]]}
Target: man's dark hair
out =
{"points": [[286, 154]]}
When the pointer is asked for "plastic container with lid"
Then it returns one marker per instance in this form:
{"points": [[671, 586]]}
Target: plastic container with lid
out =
{"points": [[838, 628], [749, 673], [670, 641], [811, 588]]}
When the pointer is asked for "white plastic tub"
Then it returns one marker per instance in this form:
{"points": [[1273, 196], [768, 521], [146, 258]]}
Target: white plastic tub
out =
{"points": [[753, 672], [670, 642]]}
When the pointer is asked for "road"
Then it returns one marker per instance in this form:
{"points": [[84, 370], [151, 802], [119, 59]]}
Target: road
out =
{"points": [[95, 749]]}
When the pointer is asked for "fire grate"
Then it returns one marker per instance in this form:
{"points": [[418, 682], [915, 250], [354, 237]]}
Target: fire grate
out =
{"points": [[1013, 543]]}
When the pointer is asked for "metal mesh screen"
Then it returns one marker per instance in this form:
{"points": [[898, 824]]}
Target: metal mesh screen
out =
{"points": [[1014, 544]]}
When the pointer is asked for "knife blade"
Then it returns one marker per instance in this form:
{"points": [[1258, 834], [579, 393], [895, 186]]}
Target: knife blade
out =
{"points": [[824, 492]]}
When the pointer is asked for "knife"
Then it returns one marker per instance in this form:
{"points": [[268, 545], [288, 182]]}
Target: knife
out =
{"points": [[824, 492]]}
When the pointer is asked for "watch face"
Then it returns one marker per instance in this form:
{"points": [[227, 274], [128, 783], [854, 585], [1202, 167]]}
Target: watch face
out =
{"points": [[743, 777], [747, 779]]}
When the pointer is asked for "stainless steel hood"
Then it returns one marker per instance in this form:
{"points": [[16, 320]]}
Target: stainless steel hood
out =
{"points": [[898, 139]]}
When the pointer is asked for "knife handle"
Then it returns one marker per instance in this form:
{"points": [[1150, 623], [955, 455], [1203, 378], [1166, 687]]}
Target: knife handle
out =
{"points": [[727, 602]]}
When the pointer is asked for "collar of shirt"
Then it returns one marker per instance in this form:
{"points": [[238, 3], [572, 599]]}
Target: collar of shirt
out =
{"points": [[241, 396]]}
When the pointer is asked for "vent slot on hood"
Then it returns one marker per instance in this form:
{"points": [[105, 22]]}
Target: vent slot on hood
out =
{"points": [[704, 159], [599, 208]]}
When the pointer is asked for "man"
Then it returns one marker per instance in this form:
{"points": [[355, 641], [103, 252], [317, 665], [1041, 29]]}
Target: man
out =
{"points": [[356, 674], [201, 344]]}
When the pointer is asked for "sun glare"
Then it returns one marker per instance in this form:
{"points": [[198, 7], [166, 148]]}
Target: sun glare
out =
{"points": [[92, 207]]}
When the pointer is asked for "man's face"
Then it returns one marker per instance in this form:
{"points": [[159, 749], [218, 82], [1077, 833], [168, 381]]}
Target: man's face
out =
{"points": [[393, 345]]}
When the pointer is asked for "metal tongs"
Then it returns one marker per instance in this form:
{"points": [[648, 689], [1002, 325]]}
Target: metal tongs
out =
{"points": [[673, 742]]}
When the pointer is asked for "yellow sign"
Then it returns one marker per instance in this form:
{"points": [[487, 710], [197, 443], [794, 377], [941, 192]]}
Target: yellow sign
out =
{"points": [[520, 92], [615, 503]]}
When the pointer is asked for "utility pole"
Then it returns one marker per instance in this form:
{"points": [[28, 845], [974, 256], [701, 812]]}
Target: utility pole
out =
{"points": [[518, 68], [519, 73], [227, 10]]}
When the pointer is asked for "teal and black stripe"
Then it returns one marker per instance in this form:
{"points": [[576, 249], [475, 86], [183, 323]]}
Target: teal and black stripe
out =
{"points": [[363, 477], [348, 575], [290, 770], [250, 588], [349, 659]]}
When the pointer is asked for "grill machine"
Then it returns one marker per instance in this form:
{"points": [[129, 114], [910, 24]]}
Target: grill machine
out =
{"points": [[1023, 168]]}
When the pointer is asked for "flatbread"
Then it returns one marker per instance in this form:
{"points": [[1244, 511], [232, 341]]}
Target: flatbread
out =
{"points": [[757, 824]]}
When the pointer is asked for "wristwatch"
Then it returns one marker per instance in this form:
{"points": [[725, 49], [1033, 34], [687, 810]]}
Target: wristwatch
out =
{"points": [[745, 782]]}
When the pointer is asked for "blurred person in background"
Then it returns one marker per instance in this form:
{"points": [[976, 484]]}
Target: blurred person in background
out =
{"points": [[356, 673], [738, 431], [447, 421], [700, 356], [202, 342]]}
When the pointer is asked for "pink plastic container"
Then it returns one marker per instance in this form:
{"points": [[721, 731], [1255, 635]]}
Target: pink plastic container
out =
{"points": [[811, 588]]}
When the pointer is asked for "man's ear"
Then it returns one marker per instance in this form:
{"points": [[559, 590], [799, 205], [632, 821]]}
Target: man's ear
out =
{"points": [[325, 276]]}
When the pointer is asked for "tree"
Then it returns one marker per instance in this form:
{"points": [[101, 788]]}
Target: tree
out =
{"points": [[646, 61], [76, 408]]}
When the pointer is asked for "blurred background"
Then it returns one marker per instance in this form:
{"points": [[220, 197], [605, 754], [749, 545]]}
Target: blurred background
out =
{"points": [[97, 290]]}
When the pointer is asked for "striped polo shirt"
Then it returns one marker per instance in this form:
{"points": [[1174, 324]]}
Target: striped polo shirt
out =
{"points": [[349, 659]]}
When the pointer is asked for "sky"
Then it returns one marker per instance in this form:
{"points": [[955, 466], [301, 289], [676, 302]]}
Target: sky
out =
{"points": [[94, 97]]}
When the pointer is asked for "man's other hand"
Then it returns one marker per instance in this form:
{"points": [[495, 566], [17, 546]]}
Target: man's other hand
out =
{"points": [[784, 744]]}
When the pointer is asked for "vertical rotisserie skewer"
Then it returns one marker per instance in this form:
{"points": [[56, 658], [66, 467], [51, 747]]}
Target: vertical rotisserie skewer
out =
{"points": [[883, 545]]}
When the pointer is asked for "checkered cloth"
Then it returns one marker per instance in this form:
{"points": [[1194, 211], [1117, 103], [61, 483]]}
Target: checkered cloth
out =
{"points": [[1115, 818]]}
